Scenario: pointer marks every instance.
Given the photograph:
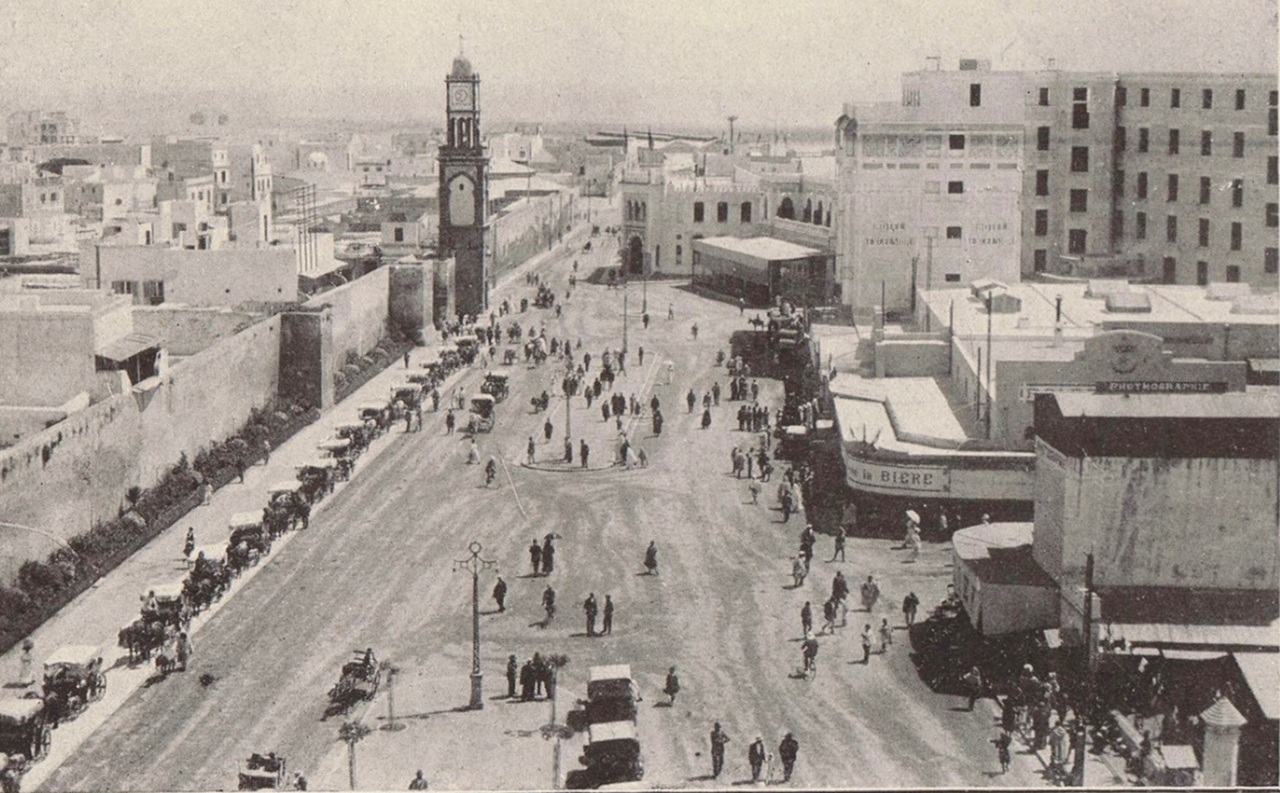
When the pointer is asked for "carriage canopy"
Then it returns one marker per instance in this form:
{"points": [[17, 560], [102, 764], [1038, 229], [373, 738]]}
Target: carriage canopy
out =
{"points": [[73, 655]]}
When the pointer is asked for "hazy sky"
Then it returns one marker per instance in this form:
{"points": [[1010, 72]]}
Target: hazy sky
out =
{"points": [[661, 62]]}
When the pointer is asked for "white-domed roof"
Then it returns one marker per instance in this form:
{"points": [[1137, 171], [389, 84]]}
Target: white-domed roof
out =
{"points": [[461, 67]]}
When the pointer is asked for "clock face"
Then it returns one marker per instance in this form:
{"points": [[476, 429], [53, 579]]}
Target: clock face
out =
{"points": [[460, 97]]}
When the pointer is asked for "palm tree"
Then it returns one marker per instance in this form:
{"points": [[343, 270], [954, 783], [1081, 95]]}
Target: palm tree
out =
{"points": [[352, 732]]}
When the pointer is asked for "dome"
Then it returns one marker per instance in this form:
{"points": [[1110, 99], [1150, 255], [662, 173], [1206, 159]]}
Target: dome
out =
{"points": [[461, 68]]}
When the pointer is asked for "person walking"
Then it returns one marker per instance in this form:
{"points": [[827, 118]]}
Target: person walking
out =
{"points": [[798, 572], [866, 644], [589, 606], [972, 685], [500, 595], [755, 757], [606, 627], [672, 686], [706, 418], [526, 682], [548, 430], [186, 649], [568, 451], [535, 556], [548, 605], [806, 619], [691, 399], [26, 665], [886, 635], [449, 422], [548, 556], [753, 489], [718, 740], [473, 453], [870, 593], [787, 751], [694, 330], [715, 393], [419, 782], [583, 451], [529, 450], [189, 544], [1002, 742], [651, 558], [828, 617], [839, 544], [910, 604], [513, 670]]}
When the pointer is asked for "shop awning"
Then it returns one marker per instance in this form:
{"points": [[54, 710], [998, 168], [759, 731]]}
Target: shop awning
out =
{"points": [[123, 349], [1262, 672]]}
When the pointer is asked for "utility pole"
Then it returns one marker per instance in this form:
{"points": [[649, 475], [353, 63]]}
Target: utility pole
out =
{"points": [[624, 316], [915, 261], [474, 564], [990, 304], [1077, 773], [731, 120]]}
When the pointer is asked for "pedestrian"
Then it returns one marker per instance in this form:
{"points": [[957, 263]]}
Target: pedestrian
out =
{"points": [[672, 686], [866, 644], [972, 685], [671, 368], [870, 593], [787, 751], [189, 544], [742, 306], [526, 682], [910, 604], [583, 451], [185, 650], [606, 627], [839, 593], [718, 740], [513, 670], [798, 572], [500, 595], [706, 418], [695, 331], [548, 555], [26, 665], [535, 556], [1002, 742], [806, 619], [886, 635], [266, 451], [671, 311], [420, 781], [549, 606], [839, 544], [406, 359], [640, 355], [755, 757], [828, 616], [529, 449], [568, 451], [240, 469], [651, 558], [691, 399], [548, 429], [589, 606], [1059, 747], [449, 422], [753, 487]]}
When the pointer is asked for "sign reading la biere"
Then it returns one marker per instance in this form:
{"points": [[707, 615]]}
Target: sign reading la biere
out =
{"points": [[910, 478]]}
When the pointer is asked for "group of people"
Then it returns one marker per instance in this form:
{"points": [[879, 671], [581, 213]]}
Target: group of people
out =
{"points": [[536, 678], [757, 754]]}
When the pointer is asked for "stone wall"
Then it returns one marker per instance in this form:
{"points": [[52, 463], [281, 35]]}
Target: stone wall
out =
{"points": [[358, 313], [184, 331]]}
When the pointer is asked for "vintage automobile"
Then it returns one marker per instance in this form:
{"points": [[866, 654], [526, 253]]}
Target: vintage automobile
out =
{"points": [[612, 755], [23, 728], [482, 414], [73, 677], [262, 772], [495, 385], [611, 694]]}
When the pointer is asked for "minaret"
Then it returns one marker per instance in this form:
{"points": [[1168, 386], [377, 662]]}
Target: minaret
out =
{"points": [[464, 190]]}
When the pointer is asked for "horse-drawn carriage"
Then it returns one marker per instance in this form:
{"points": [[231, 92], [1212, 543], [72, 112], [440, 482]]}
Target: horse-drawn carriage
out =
{"points": [[262, 772], [249, 541], [482, 414], [496, 385], [167, 604], [359, 680], [210, 577], [73, 677], [376, 417], [468, 347], [344, 459], [24, 730], [409, 393], [316, 477], [355, 432], [285, 507]]}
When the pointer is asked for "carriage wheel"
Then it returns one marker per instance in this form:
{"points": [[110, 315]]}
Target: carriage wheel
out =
{"points": [[40, 743]]}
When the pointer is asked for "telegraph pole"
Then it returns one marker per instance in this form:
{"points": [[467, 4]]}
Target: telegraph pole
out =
{"points": [[1077, 772], [474, 564], [990, 304]]}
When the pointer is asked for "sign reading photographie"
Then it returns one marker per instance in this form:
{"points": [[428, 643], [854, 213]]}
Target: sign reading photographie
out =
{"points": [[1159, 387]]}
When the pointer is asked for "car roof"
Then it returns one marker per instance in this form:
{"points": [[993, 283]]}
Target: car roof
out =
{"points": [[612, 731], [609, 672]]}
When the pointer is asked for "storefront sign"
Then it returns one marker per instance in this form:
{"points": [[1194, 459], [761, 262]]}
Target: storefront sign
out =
{"points": [[1159, 387], [864, 475]]}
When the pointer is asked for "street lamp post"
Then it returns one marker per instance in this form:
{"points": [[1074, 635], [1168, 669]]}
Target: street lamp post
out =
{"points": [[624, 316], [474, 564]]}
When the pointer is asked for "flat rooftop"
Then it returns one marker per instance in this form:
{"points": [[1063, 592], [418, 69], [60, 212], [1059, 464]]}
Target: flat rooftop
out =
{"points": [[765, 248]]}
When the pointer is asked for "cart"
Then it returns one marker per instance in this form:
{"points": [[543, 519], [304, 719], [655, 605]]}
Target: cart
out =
{"points": [[23, 729], [73, 677], [262, 772], [317, 478], [495, 385], [468, 347], [339, 450], [359, 680], [409, 393], [355, 432], [482, 414], [171, 605]]}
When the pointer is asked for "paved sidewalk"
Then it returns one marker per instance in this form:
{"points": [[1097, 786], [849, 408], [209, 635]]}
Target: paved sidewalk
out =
{"points": [[97, 614]]}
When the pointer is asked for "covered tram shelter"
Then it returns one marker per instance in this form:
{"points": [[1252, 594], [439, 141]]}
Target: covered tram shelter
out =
{"points": [[763, 270]]}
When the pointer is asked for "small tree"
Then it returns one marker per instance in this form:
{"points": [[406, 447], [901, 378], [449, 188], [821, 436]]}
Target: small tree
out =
{"points": [[352, 732]]}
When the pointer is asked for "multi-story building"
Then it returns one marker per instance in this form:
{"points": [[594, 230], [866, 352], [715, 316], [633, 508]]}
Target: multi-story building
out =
{"points": [[33, 127]]}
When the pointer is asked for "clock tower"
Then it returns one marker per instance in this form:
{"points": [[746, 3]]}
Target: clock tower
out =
{"points": [[464, 190]]}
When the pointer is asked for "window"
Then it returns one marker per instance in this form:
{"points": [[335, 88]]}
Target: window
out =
{"points": [[1079, 159], [955, 142], [1042, 183], [1144, 97], [679, 253], [1076, 239], [954, 233], [1233, 274], [744, 212], [1079, 94], [1204, 232], [722, 212], [1175, 97], [1141, 188], [1117, 224], [1237, 192], [1206, 98], [1273, 173], [952, 278], [1117, 183], [699, 211], [1206, 143], [1273, 215], [1122, 96], [1271, 260], [1041, 260], [1079, 200], [1237, 232], [955, 188], [1144, 140], [1079, 116], [398, 234], [1172, 192], [1202, 273], [1170, 274], [1174, 137], [1171, 228], [1206, 187], [1042, 222], [1140, 225], [1042, 138], [1121, 139], [1044, 97], [1239, 99], [152, 293], [1237, 145], [975, 94]]}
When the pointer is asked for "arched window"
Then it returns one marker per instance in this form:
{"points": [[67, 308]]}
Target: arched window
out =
{"points": [[808, 210], [786, 209], [817, 218]]}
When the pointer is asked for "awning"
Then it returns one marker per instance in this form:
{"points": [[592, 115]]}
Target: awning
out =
{"points": [[1270, 365], [1261, 671], [122, 350], [1203, 637]]}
